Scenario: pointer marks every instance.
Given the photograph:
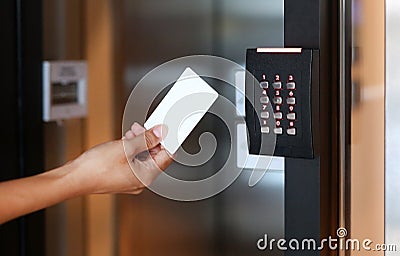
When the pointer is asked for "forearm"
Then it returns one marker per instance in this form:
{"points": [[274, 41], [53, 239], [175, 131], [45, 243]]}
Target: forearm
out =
{"points": [[22, 196], [106, 168]]}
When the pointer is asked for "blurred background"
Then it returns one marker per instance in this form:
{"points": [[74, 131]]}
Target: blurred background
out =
{"points": [[121, 41]]}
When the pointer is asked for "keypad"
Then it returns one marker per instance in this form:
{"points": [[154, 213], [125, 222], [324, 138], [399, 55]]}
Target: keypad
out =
{"points": [[289, 83], [282, 92]]}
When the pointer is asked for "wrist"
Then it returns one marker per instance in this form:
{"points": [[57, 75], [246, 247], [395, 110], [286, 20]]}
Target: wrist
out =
{"points": [[77, 179]]}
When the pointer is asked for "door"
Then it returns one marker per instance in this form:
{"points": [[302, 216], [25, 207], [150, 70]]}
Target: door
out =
{"points": [[231, 222]]}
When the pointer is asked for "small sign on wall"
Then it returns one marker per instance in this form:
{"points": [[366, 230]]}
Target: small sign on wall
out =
{"points": [[64, 90]]}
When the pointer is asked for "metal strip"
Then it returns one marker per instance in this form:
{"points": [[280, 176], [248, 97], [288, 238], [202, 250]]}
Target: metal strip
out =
{"points": [[279, 50], [342, 116]]}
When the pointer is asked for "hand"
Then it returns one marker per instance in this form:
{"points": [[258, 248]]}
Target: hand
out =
{"points": [[124, 166], [112, 167]]}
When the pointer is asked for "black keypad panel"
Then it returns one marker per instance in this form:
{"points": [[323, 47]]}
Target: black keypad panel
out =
{"points": [[286, 81]]}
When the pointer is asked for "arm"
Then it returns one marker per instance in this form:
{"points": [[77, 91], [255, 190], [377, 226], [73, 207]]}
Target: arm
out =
{"points": [[106, 168]]}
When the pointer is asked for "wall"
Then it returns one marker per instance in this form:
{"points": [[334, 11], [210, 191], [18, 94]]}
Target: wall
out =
{"points": [[102, 121], [367, 123]]}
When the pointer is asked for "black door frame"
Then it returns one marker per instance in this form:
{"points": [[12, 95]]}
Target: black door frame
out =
{"points": [[21, 113], [312, 192]]}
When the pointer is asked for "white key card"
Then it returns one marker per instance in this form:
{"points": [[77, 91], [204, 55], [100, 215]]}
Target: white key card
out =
{"points": [[182, 108]]}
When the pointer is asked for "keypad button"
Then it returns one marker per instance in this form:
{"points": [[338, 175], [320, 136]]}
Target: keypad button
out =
{"points": [[265, 129], [291, 116], [291, 85], [278, 130], [277, 100], [264, 84], [265, 114], [264, 100], [291, 101], [291, 131], [278, 115], [277, 85]]}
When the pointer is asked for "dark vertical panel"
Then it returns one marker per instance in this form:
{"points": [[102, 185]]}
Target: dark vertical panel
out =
{"points": [[329, 117], [302, 26], [348, 110], [8, 110], [30, 106], [30, 86], [311, 191], [9, 232], [21, 152], [302, 177], [302, 207]]}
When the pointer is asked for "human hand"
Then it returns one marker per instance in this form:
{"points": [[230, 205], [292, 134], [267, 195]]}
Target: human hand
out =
{"points": [[124, 166], [112, 167]]}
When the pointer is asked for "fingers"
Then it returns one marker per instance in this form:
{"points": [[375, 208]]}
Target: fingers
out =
{"points": [[137, 129], [146, 171], [146, 141], [154, 150], [129, 135], [138, 140], [162, 159]]}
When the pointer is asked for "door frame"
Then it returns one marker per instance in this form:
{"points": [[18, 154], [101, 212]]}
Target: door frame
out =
{"points": [[21, 111]]}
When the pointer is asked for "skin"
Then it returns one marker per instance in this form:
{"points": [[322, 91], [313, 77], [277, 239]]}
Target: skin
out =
{"points": [[102, 169]]}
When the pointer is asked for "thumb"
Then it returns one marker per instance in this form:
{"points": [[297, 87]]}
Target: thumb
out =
{"points": [[145, 141]]}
